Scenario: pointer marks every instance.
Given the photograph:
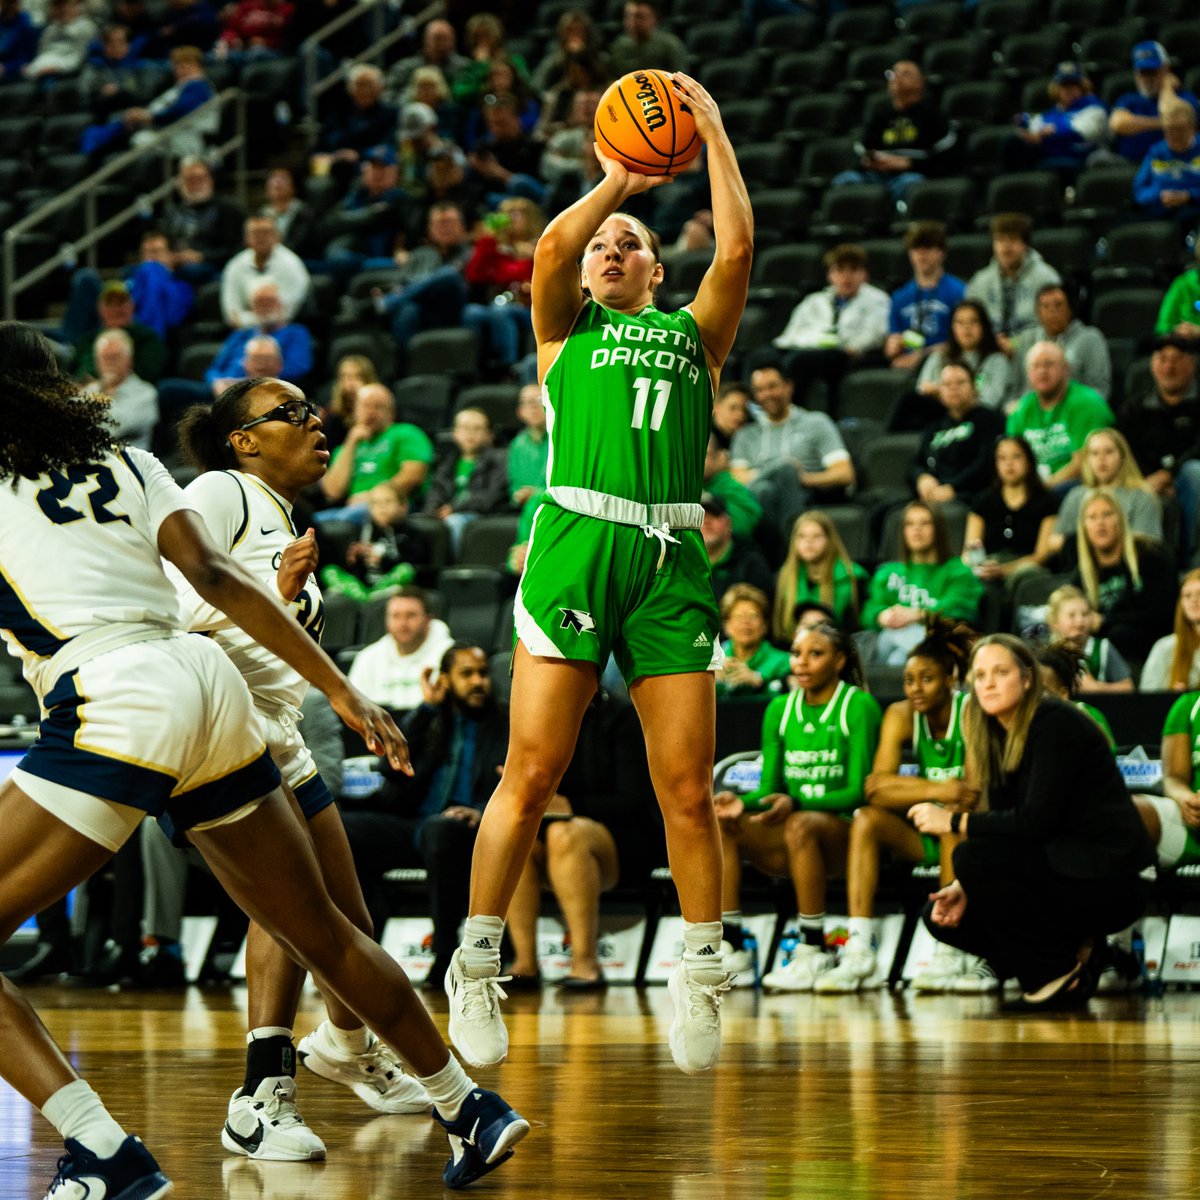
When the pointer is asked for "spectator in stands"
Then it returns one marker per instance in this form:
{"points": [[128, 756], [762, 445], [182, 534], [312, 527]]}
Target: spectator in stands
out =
{"points": [[391, 670], [377, 449], [731, 411], [1009, 284], [919, 319], [1084, 346], [731, 559], [1063, 672], [971, 343], [955, 457], [484, 38], [1180, 311], [292, 216], [562, 160], [1056, 415], [791, 456], [818, 743], [752, 666], [576, 65], [1011, 521], [905, 140], [386, 554], [505, 160], [63, 41], [111, 77], [1065, 135], [260, 357], [366, 121], [472, 481], [1167, 185], [161, 300], [18, 39], [458, 736], [255, 29], [499, 271], [503, 79], [1061, 835], [1173, 664], [1129, 579], [1109, 463], [1162, 426], [1137, 116], [439, 48], [417, 138], [1070, 618], [643, 44], [818, 569], [134, 406], [115, 308], [264, 256], [529, 451], [187, 23], [924, 578], [353, 372], [843, 324], [205, 228], [744, 510], [428, 86], [371, 223], [268, 318], [447, 182]]}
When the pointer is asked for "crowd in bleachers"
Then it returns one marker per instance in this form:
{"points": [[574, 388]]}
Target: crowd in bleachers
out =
{"points": [[965, 382]]}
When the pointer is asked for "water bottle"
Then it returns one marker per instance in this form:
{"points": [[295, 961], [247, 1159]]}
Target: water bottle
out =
{"points": [[975, 556], [750, 945], [787, 946]]}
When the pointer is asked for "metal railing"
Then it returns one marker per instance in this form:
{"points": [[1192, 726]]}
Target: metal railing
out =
{"points": [[95, 230], [315, 85]]}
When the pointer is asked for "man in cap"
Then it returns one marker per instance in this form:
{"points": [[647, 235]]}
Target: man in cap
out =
{"points": [[115, 308], [1136, 119]]}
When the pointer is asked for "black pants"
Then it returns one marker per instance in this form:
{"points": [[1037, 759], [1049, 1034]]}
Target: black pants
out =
{"points": [[382, 841], [1024, 918]]}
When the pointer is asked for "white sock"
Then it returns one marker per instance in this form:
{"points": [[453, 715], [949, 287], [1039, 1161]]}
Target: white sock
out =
{"points": [[481, 946], [348, 1041], [77, 1112], [863, 929], [702, 954], [449, 1088], [266, 1031]]}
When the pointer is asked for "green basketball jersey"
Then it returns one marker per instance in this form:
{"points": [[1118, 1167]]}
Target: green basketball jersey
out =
{"points": [[1184, 718], [941, 758], [628, 409]]}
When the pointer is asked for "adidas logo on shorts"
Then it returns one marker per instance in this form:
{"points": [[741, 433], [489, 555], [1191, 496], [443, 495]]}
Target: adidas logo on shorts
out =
{"points": [[702, 640]]}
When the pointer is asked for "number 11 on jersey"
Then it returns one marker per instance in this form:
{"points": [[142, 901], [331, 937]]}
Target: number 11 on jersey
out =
{"points": [[641, 393]]}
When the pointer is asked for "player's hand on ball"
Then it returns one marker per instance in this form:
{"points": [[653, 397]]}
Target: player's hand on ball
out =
{"points": [[296, 564], [702, 106], [630, 183]]}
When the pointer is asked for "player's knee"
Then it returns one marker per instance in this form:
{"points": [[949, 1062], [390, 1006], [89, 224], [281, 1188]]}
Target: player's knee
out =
{"points": [[867, 823], [801, 828], [564, 838], [531, 782], [690, 801]]}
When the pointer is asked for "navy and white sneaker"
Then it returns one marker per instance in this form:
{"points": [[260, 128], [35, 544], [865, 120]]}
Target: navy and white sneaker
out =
{"points": [[130, 1174], [481, 1138]]}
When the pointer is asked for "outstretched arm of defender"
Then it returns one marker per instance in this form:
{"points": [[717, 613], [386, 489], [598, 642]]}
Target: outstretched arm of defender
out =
{"points": [[722, 296], [557, 291]]}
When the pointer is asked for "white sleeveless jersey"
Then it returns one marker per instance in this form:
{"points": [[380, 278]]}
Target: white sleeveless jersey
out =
{"points": [[253, 524], [79, 556]]}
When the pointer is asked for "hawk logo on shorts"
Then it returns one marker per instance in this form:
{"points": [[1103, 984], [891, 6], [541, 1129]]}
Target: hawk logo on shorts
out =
{"points": [[576, 619]]}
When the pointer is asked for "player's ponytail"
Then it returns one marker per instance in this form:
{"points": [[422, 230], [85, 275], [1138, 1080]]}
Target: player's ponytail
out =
{"points": [[1066, 662], [47, 424], [843, 644], [204, 431]]}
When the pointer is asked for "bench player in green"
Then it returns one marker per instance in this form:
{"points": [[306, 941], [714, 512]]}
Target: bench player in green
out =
{"points": [[818, 744], [616, 564], [1173, 819], [929, 721]]}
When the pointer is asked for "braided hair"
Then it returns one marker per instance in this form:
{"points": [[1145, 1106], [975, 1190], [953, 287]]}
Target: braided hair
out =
{"points": [[204, 430], [1067, 663], [948, 643], [47, 424]]}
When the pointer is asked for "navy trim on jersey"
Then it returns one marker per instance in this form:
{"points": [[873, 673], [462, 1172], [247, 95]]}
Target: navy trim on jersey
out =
{"points": [[241, 529], [129, 463], [16, 617], [313, 795]]}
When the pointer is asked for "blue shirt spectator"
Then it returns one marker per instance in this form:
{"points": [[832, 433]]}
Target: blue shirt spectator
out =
{"points": [[294, 341], [1168, 182], [919, 317], [1066, 134], [160, 299], [926, 310], [1157, 89], [18, 39]]}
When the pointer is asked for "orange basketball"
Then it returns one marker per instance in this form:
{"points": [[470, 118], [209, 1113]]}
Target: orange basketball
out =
{"points": [[640, 123]]}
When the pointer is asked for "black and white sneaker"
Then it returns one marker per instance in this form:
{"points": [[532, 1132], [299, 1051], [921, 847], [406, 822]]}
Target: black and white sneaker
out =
{"points": [[268, 1126]]}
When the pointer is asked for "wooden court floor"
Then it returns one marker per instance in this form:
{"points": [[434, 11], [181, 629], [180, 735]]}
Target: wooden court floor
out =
{"points": [[890, 1096]]}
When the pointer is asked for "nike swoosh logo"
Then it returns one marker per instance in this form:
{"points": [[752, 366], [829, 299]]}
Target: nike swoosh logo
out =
{"points": [[267, 532], [250, 1144], [469, 1140]]}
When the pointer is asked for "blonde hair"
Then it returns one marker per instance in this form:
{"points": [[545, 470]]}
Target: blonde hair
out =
{"points": [[1187, 638], [992, 751], [431, 75], [1088, 570], [1129, 474], [821, 573], [534, 217], [1059, 597], [748, 593]]}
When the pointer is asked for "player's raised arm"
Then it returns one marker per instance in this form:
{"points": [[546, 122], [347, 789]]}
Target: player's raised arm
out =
{"points": [[722, 296], [557, 291]]}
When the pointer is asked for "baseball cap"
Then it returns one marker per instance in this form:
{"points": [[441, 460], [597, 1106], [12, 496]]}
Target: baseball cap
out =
{"points": [[381, 156], [448, 150], [416, 119], [1069, 72], [1150, 56], [1177, 341], [713, 504], [115, 289]]}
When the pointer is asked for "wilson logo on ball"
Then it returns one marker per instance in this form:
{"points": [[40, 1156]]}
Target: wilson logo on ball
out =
{"points": [[642, 122], [652, 108]]}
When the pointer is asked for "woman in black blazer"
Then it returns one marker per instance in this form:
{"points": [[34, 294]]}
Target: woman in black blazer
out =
{"points": [[1053, 863]]}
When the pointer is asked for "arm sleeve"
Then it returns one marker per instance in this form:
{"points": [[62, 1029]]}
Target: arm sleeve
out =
{"points": [[163, 495], [1146, 185], [864, 717], [1097, 363], [1179, 718], [961, 591], [881, 596], [1117, 668], [871, 328], [1171, 312], [771, 780], [830, 446], [297, 354], [810, 318], [993, 380]]}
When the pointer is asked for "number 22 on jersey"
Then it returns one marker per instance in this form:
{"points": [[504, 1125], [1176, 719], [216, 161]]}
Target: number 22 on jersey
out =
{"points": [[641, 397], [52, 498]]}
